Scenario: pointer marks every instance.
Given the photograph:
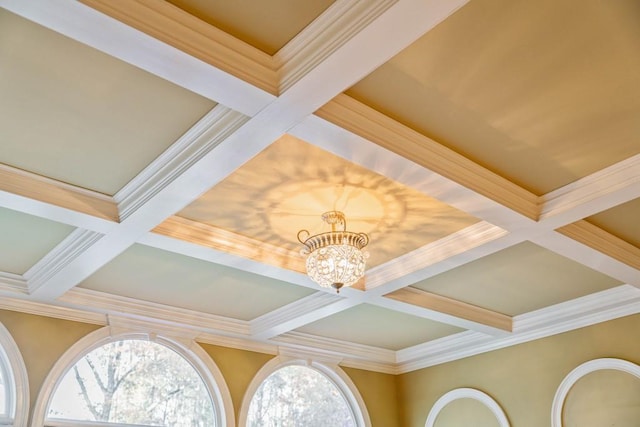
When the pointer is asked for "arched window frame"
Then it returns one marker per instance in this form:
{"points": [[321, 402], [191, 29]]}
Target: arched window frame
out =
{"points": [[586, 368], [467, 393], [15, 372], [189, 350], [332, 371]]}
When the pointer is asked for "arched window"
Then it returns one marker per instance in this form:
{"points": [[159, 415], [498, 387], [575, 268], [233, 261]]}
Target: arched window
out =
{"points": [[14, 388], [134, 380], [298, 393]]}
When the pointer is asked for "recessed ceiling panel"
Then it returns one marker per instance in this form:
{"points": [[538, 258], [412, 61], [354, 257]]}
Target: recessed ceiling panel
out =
{"points": [[623, 221], [379, 327], [518, 280], [154, 275], [290, 184], [266, 25], [25, 239], [540, 92], [74, 114]]}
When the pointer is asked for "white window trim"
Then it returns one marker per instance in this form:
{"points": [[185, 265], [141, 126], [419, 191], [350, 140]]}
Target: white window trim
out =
{"points": [[333, 372], [467, 393], [17, 379], [581, 371], [191, 351]]}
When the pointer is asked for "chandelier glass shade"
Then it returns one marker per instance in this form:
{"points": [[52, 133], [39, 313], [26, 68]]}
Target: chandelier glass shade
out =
{"points": [[336, 258]]}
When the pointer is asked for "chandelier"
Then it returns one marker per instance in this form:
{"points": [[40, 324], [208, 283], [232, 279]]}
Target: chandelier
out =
{"points": [[334, 259]]}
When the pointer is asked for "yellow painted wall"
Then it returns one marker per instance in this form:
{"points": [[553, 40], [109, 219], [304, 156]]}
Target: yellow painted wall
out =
{"points": [[379, 393], [523, 379]]}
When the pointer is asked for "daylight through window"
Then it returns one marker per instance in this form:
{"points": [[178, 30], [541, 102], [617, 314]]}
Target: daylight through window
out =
{"points": [[299, 396], [133, 382]]}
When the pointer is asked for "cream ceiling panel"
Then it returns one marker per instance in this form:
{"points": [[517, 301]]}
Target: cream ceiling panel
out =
{"points": [[266, 25], [517, 280], [540, 92], [76, 115], [623, 221], [25, 239], [379, 327], [291, 183], [162, 277]]}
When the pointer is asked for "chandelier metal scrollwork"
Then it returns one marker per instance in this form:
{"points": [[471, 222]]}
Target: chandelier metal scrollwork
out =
{"points": [[335, 259]]}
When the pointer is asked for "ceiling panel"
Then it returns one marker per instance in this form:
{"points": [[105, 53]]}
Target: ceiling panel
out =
{"points": [[517, 280], [379, 327], [25, 239], [266, 25], [74, 114], [623, 221], [541, 92], [291, 183], [162, 277]]}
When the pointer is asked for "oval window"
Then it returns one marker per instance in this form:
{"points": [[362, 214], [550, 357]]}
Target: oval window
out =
{"points": [[132, 382], [297, 396]]}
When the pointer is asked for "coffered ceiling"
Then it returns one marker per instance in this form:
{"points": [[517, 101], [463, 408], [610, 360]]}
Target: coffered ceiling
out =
{"points": [[158, 159]]}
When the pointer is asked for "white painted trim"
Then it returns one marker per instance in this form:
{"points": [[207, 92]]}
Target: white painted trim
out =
{"points": [[191, 351], [467, 393], [332, 371], [340, 22], [198, 141], [13, 283], [579, 372], [65, 252], [17, 380]]}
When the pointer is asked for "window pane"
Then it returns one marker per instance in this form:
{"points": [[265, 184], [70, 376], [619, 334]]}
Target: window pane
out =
{"points": [[134, 382], [298, 396]]}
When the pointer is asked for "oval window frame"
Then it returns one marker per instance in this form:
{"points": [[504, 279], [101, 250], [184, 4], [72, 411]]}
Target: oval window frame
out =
{"points": [[466, 393], [332, 371], [189, 350], [580, 371]]}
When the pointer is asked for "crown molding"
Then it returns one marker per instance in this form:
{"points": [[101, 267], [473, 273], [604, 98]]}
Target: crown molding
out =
{"points": [[55, 311], [478, 234], [339, 23], [55, 200], [198, 141], [346, 349], [380, 129], [602, 241], [189, 319], [269, 324], [594, 193], [237, 343], [600, 307], [13, 283], [175, 27], [65, 252]]}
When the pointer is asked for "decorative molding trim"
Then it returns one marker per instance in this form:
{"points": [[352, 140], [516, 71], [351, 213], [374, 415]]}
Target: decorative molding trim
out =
{"points": [[599, 307], [459, 242], [237, 343], [269, 324], [602, 241], [148, 311], [229, 242], [339, 23], [614, 185], [452, 307], [177, 28], [374, 126], [60, 256], [101, 209], [330, 346], [579, 372], [198, 141], [55, 311], [467, 393], [13, 283]]}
